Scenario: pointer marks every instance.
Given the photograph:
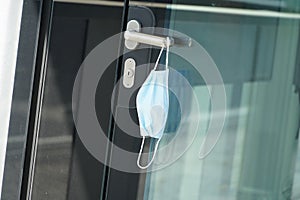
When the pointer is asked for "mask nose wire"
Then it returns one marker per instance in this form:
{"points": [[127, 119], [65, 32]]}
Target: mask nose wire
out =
{"points": [[140, 154]]}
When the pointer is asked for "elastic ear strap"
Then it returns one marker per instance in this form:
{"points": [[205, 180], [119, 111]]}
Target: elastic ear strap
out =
{"points": [[140, 154], [167, 53], [156, 63]]}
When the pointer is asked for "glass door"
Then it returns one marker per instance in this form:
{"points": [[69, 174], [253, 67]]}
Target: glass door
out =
{"points": [[233, 121], [232, 109]]}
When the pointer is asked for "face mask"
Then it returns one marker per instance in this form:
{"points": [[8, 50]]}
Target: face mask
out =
{"points": [[152, 104]]}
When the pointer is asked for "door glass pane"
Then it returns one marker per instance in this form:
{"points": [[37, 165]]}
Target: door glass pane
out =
{"points": [[64, 169], [255, 45]]}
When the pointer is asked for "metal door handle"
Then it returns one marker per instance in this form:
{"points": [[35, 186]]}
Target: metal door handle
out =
{"points": [[147, 39], [133, 37]]}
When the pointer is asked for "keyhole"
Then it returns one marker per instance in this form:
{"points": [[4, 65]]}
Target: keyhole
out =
{"points": [[129, 73]]}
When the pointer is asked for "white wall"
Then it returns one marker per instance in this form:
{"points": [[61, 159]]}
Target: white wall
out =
{"points": [[10, 20]]}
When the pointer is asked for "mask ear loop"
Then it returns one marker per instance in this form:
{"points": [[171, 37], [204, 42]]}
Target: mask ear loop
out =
{"points": [[167, 52], [167, 45], [140, 154], [156, 63]]}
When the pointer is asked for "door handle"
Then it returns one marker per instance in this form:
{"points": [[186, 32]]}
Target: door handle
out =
{"points": [[133, 37], [143, 38]]}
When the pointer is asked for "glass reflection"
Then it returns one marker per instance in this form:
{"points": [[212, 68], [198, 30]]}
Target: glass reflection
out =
{"points": [[255, 158]]}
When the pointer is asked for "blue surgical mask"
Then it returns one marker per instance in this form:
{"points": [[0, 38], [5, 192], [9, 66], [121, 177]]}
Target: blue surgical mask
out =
{"points": [[152, 104]]}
